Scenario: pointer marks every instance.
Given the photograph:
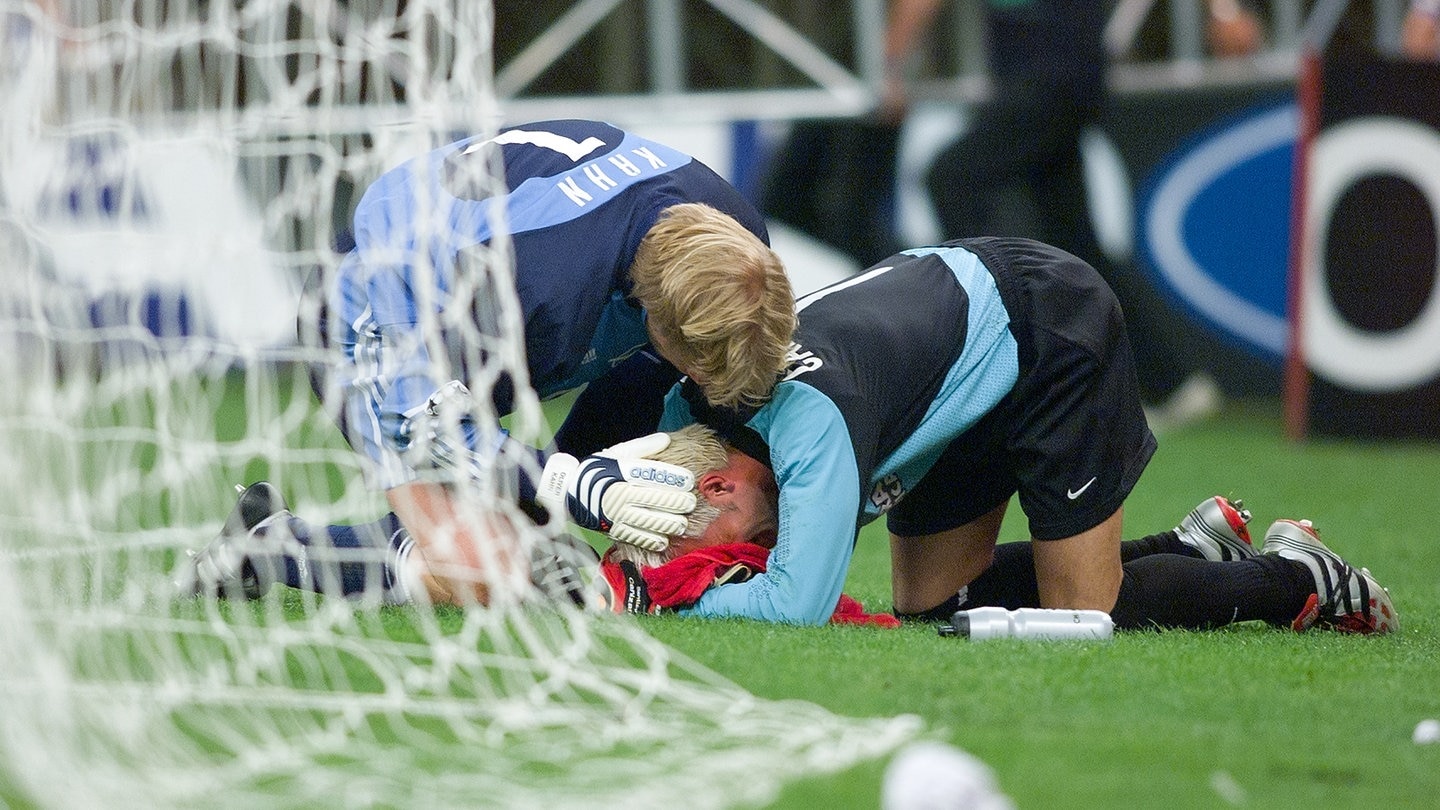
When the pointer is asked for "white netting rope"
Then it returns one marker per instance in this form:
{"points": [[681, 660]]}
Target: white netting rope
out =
{"points": [[202, 149]]}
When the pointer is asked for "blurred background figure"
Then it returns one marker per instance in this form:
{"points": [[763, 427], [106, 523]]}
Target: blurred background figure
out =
{"points": [[834, 179], [850, 205], [1232, 29], [1017, 169], [1420, 36]]}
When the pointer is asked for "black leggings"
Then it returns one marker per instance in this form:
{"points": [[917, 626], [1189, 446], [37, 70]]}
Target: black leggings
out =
{"points": [[1166, 585]]}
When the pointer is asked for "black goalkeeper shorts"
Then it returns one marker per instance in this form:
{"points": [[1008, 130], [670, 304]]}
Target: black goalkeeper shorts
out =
{"points": [[1071, 437]]}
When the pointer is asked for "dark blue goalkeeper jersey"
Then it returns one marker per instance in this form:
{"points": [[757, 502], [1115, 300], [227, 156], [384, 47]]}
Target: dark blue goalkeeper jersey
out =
{"points": [[887, 369], [578, 198]]}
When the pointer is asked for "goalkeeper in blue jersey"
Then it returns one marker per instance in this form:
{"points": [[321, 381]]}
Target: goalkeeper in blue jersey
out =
{"points": [[1203, 574], [607, 229], [931, 389]]}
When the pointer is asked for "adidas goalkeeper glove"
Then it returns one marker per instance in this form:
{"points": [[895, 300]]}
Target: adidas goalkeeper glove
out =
{"points": [[622, 492]]}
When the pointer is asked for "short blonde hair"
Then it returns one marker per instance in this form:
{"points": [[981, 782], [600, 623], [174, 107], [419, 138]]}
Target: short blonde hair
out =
{"points": [[720, 298], [699, 450]]}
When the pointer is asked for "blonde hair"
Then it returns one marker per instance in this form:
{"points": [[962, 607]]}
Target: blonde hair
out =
{"points": [[699, 450], [720, 298]]}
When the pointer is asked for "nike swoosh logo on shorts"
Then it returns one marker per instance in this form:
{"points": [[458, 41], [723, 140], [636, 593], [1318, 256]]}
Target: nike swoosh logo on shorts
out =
{"points": [[1072, 494]]}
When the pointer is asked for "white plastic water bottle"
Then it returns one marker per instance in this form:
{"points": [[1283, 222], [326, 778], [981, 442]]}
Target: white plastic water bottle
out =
{"points": [[978, 624]]}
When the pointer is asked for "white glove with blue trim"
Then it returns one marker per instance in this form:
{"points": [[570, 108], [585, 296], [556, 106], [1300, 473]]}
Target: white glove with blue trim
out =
{"points": [[622, 492]]}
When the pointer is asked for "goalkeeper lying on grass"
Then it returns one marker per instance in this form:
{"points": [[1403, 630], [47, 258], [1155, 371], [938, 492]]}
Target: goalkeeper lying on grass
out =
{"points": [[263, 543], [933, 388], [1202, 574]]}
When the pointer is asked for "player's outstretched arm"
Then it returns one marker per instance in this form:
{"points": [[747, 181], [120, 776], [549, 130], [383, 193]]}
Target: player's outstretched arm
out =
{"points": [[468, 554]]}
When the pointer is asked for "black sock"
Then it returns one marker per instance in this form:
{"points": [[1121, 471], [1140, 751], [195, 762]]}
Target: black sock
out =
{"points": [[1171, 590], [940, 613], [345, 560], [1167, 583], [1009, 582], [1167, 542]]}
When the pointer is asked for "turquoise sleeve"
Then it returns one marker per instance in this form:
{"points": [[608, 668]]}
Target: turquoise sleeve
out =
{"points": [[814, 465]]}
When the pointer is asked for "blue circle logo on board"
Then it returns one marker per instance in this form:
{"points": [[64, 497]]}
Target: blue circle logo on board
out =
{"points": [[1214, 226]]}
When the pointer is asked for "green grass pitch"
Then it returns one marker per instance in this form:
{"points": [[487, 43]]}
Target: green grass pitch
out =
{"points": [[1248, 716]]}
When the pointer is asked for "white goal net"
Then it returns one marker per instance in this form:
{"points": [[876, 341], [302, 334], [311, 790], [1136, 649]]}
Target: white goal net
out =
{"points": [[170, 170]]}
